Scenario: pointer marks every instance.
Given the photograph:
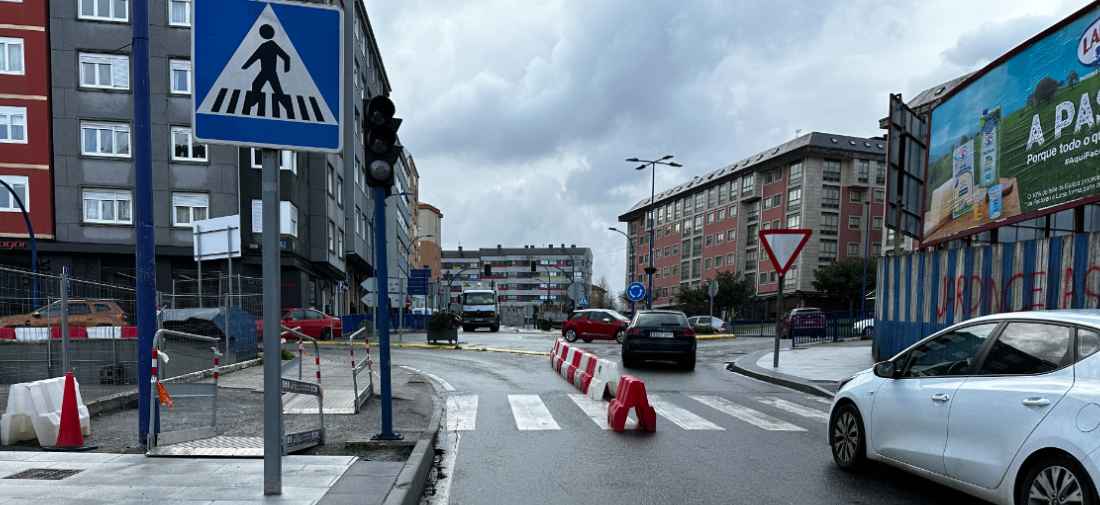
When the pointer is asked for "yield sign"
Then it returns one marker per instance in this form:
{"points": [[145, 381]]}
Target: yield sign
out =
{"points": [[783, 246]]}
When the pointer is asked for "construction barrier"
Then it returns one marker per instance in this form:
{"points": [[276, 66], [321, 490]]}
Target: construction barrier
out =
{"points": [[631, 395], [37, 334], [605, 379], [162, 393], [34, 410], [293, 442], [592, 375], [364, 365]]}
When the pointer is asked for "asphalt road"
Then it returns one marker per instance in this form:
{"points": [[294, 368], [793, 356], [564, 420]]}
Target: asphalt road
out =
{"points": [[721, 437]]}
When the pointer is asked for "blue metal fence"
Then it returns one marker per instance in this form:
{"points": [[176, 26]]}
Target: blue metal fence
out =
{"points": [[826, 326], [753, 327], [413, 322]]}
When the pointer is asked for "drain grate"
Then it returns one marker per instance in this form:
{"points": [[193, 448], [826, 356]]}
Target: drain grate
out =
{"points": [[44, 474]]}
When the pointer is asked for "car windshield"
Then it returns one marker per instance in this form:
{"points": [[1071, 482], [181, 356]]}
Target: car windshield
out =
{"points": [[479, 299], [661, 320]]}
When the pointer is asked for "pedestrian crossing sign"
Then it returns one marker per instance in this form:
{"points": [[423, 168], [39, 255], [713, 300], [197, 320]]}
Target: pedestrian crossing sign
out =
{"points": [[268, 74]]}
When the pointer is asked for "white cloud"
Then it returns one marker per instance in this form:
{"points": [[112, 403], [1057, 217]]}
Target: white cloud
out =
{"points": [[520, 114]]}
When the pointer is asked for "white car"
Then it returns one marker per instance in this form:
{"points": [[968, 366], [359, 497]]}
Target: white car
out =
{"points": [[865, 329], [717, 323], [1003, 407]]}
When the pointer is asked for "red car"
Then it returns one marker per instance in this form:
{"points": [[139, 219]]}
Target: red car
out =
{"points": [[313, 323], [808, 317], [591, 324]]}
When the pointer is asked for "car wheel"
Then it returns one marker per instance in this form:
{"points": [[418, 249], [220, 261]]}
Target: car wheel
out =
{"points": [[846, 438], [628, 362], [868, 333], [467, 329], [619, 336], [1057, 479], [689, 363], [570, 335], [326, 334], [494, 329]]}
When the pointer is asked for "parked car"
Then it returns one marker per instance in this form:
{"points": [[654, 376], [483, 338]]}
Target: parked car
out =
{"points": [[659, 335], [718, 324], [82, 314], [310, 322], [816, 318], [1002, 407], [865, 329], [422, 312], [593, 324]]}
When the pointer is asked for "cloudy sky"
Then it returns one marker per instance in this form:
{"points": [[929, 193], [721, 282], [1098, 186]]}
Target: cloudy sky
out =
{"points": [[519, 114]]}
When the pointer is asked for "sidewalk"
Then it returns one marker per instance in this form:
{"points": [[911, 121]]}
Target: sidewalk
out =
{"points": [[815, 369]]}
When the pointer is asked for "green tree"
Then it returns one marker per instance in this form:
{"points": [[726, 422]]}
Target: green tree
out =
{"points": [[844, 279], [1044, 91], [1073, 78], [694, 301], [734, 289]]}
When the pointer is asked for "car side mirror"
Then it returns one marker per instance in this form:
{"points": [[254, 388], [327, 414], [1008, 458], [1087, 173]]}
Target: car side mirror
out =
{"points": [[886, 370], [36, 314]]}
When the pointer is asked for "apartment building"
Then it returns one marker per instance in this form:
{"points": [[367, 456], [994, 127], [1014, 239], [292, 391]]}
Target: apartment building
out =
{"points": [[511, 274], [430, 249], [818, 181]]}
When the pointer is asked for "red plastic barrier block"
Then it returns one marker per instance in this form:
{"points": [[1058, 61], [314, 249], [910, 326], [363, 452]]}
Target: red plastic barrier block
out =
{"points": [[577, 359], [631, 394], [129, 332], [73, 333], [572, 369], [7, 333]]}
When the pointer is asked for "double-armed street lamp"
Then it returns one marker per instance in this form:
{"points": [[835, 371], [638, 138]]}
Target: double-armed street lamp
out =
{"points": [[630, 244], [649, 270]]}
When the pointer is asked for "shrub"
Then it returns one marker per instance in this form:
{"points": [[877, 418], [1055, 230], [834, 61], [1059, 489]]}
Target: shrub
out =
{"points": [[443, 321], [704, 329], [286, 354]]}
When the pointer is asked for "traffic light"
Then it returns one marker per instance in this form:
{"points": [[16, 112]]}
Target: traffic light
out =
{"points": [[380, 132], [534, 266], [488, 270]]}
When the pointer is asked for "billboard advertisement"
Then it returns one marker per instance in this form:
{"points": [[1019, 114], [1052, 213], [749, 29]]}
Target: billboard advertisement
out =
{"points": [[1021, 138]]}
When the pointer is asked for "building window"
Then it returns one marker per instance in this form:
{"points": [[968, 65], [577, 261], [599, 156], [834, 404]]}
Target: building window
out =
{"points": [[830, 171], [729, 259], [676, 228], [706, 264], [340, 191], [768, 203], [657, 255], [864, 168], [880, 172], [11, 56], [104, 72], [679, 205], [754, 212], [855, 195], [767, 177], [722, 194], [719, 238], [676, 250], [830, 223], [721, 214], [733, 211], [853, 222], [181, 76], [876, 249], [184, 147], [659, 235], [747, 184], [105, 139], [710, 240], [104, 10], [794, 198], [179, 12], [665, 271], [791, 279], [710, 218], [699, 224], [699, 201], [750, 260], [853, 248], [773, 276], [763, 278], [731, 235], [358, 222], [20, 185], [13, 125], [717, 262], [876, 223], [676, 269], [775, 224], [733, 190], [288, 219], [108, 206], [830, 197], [696, 269], [666, 251], [777, 201], [330, 181], [880, 196], [697, 246], [287, 160], [712, 197], [796, 173], [778, 174], [794, 221], [189, 207], [750, 235], [331, 237], [826, 250]]}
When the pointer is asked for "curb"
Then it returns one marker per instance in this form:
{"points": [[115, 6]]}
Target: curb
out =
{"points": [[128, 399], [444, 347], [796, 385], [409, 486], [715, 337]]}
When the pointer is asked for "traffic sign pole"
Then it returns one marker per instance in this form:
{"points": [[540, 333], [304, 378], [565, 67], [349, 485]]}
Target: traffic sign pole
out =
{"points": [[273, 395], [383, 318], [143, 213], [778, 321]]}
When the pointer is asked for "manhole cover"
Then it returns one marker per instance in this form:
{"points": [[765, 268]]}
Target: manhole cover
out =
{"points": [[44, 474]]}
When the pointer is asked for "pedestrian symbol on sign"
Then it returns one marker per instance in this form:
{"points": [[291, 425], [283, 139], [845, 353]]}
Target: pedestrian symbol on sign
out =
{"points": [[268, 55]]}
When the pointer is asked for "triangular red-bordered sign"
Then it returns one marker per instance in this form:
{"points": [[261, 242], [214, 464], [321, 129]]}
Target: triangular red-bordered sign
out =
{"points": [[783, 246]]}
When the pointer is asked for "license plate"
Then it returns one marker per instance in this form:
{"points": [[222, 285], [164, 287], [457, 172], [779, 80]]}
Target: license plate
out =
{"points": [[661, 334]]}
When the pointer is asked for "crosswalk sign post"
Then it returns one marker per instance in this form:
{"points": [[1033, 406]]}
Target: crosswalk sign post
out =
{"points": [[268, 75]]}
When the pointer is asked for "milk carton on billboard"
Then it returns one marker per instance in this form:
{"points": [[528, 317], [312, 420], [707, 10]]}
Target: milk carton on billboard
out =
{"points": [[963, 170], [989, 132]]}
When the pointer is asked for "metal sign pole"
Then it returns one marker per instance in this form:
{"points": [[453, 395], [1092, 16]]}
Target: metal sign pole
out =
{"points": [[198, 260], [64, 321], [383, 320], [778, 321], [273, 396], [143, 213]]}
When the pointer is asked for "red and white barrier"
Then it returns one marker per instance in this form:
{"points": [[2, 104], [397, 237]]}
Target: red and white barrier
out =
{"points": [[95, 332], [592, 375]]}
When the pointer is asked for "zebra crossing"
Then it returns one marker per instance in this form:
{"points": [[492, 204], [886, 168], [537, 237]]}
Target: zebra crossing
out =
{"points": [[693, 412]]}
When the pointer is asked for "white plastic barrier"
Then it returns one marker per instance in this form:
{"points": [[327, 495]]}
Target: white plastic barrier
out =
{"points": [[32, 334], [109, 332], [606, 378], [34, 410]]}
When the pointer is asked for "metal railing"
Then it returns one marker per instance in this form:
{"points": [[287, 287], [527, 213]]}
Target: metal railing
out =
{"points": [[826, 326], [181, 390], [753, 327], [365, 364], [293, 442]]}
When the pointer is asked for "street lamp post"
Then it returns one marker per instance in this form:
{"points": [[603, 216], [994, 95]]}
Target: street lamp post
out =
{"points": [[630, 245], [652, 192], [30, 231], [572, 269], [866, 246], [401, 309]]}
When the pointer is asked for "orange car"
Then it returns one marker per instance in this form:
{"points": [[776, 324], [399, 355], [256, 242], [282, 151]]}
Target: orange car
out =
{"points": [[82, 314]]}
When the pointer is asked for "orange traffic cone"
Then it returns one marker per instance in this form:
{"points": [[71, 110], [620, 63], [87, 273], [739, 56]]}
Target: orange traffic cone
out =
{"points": [[69, 437]]}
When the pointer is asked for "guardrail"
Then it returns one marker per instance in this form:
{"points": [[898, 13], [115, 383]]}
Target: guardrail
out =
{"points": [[181, 390], [309, 438], [366, 364]]}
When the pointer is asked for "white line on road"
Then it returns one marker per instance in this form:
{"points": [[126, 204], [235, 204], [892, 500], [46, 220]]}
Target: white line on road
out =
{"points": [[597, 411], [819, 399], [443, 486], [681, 416], [746, 414], [446, 385], [793, 408], [461, 413], [531, 413]]}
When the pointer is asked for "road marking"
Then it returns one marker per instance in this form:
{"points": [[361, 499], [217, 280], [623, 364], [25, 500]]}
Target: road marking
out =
{"points": [[819, 399], [531, 413], [681, 416], [443, 486], [746, 414], [793, 408], [597, 411], [446, 385], [461, 413]]}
